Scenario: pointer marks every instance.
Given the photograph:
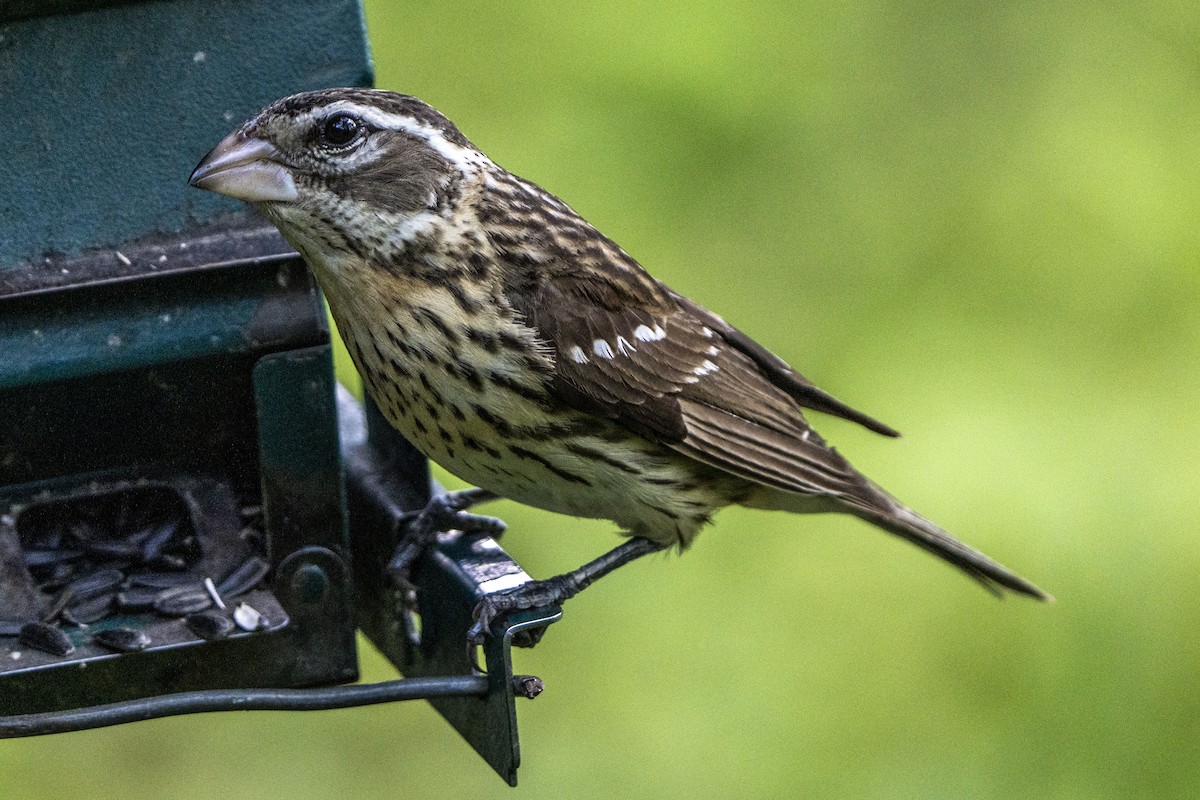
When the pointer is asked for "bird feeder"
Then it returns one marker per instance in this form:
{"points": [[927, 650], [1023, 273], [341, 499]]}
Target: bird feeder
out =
{"points": [[192, 516]]}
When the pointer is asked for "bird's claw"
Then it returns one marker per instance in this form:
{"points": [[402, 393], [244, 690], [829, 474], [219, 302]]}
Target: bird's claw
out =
{"points": [[448, 512], [483, 616], [527, 596], [444, 512], [441, 515], [493, 606]]}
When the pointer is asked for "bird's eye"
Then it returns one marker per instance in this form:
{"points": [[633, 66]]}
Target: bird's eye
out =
{"points": [[341, 130]]}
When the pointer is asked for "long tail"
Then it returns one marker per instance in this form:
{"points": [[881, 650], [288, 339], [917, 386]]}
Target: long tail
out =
{"points": [[907, 524]]}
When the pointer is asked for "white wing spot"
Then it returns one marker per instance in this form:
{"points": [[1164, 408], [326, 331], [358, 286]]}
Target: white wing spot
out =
{"points": [[804, 436], [713, 350], [708, 334], [705, 368], [643, 333], [602, 348], [624, 347], [577, 355]]}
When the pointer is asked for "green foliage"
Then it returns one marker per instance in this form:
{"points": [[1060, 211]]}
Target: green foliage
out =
{"points": [[977, 222]]}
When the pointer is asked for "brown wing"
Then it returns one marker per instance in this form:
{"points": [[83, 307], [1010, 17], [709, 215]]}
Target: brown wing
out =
{"points": [[666, 370], [629, 349], [781, 374]]}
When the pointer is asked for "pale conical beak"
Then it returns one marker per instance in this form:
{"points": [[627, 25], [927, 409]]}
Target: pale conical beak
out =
{"points": [[245, 168]]}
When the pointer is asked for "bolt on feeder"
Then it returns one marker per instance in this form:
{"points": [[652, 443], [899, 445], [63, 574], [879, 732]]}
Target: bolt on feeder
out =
{"points": [[189, 506]]}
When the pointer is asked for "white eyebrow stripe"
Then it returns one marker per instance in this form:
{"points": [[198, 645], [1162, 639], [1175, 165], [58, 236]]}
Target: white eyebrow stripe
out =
{"points": [[466, 159], [602, 348]]}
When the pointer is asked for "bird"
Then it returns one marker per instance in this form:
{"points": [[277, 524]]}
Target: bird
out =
{"points": [[524, 351]]}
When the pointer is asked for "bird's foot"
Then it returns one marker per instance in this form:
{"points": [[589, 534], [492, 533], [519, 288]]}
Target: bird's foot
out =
{"points": [[551, 591], [535, 594], [444, 512]]}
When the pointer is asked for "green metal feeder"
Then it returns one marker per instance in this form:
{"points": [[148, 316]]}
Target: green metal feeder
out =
{"points": [[168, 410]]}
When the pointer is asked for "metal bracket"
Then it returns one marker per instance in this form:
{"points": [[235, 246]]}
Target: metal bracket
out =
{"points": [[385, 478]]}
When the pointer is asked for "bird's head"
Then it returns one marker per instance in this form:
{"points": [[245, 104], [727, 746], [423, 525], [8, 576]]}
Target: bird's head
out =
{"points": [[318, 164]]}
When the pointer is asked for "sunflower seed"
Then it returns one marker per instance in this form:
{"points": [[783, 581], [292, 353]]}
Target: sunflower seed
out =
{"points": [[182, 600], [210, 625], [112, 550], [60, 601], [46, 558], [160, 580], [244, 577], [137, 598], [93, 609], [123, 640], [47, 638], [97, 583], [154, 544]]}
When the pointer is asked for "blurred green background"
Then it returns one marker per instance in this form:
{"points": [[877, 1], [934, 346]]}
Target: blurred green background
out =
{"points": [[975, 221]]}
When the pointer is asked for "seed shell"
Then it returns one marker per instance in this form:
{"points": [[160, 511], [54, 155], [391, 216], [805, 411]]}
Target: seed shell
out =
{"points": [[59, 603], [47, 638], [249, 618], [210, 625], [123, 640]]}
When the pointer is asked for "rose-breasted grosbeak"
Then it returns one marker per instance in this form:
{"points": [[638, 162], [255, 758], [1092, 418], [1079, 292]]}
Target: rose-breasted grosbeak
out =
{"points": [[524, 351]]}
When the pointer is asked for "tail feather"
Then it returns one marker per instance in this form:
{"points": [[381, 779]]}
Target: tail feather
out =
{"points": [[907, 524]]}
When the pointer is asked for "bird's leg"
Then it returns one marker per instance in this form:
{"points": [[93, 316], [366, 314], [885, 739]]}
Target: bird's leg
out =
{"points": [[552, 591], [445, 512]]}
